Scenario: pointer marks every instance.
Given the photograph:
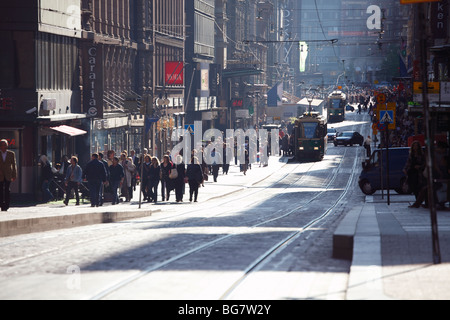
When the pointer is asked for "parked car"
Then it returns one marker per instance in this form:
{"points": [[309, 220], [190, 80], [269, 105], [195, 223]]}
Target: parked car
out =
{"points": [[331, 133], [374, 168], [348, 138]]}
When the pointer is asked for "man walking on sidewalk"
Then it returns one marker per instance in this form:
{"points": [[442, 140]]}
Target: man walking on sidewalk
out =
{"points": [[95, 174], [73, 180], [8, 173]]}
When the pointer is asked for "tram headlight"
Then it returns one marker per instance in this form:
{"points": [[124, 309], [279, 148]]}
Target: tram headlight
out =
{"points": [[316, 148], [301, 148]]}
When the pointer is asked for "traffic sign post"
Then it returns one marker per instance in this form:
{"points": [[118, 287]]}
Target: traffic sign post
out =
{"points": [[387, 113]]}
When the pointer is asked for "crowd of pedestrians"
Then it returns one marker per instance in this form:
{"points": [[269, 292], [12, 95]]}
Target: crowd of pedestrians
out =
{"points": [[113, 177]]}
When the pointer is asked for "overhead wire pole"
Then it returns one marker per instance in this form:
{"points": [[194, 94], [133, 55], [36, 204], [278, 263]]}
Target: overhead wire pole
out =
{"points": [[428, 134]]}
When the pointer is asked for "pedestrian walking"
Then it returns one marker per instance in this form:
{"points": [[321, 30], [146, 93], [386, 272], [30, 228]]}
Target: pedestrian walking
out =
{"points": [[215, 166], [285, 145], [103, 186], [128, 169], [167, 184], [137, 168], [195, 178], [73, 180], [413, 170], [95, 174], [116, 176], [8, 174], [145, 179], [367, 143], [246, 163], [154, 178], [46, 178], [179, 181], [110, 154], [225, 164]]}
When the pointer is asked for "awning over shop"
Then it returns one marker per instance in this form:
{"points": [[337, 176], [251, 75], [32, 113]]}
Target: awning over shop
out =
{"points": [[71, 131]]}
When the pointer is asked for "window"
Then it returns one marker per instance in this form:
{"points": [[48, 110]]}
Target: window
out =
{"points": [[310, 129]]}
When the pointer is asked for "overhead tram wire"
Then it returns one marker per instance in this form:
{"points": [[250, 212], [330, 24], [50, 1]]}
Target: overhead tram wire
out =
{"points": [[323, 31], [332, 41]]}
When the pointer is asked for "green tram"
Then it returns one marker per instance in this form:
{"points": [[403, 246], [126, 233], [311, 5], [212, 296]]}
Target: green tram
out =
{"points": [[337, 100], [310, 137]]}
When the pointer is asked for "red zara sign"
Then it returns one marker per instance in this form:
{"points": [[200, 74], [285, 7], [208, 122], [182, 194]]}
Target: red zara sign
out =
{"points": [[174, 73]]}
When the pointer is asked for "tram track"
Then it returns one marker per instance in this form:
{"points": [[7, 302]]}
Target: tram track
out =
{"points": [[253, 191], [55, 234], [298, 176], [112, 227], [278, 247]]}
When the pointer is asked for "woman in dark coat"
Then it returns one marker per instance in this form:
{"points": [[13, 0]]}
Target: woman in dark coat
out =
{"points": [[194, 174], [167, 184], [146, 177], [154, 177]]}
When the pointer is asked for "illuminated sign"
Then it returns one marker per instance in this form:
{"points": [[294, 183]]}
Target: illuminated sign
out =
{"points": [[6, 104], [237, 103]]}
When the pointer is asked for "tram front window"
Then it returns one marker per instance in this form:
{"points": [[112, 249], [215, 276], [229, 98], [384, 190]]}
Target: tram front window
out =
{"points": [[335, 104], [310, 130]]}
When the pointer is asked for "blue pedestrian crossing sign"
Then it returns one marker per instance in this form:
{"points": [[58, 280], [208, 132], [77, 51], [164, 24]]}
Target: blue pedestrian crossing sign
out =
{"points": [[189, 128], [387, 116]]}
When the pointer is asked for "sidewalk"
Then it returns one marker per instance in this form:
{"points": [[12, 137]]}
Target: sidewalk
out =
{"points": [[393, 253], [55, 215]]}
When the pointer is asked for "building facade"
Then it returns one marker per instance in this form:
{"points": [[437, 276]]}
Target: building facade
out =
{"points": [[76, 73], [40, 90]]}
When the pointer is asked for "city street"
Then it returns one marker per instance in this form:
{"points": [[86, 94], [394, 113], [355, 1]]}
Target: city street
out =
{"points": [[267, 235], [99, 99]]}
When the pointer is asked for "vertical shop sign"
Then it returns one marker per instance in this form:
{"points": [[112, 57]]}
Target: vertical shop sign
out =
{"points": [[93, 81]]}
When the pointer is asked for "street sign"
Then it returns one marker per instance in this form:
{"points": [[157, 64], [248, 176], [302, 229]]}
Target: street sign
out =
{"points": [[381, 126], [387, 116], [433, 87], [189, 128], [381, 98]]}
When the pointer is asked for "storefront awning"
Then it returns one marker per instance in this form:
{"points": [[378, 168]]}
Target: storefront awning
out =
{"points": [[71, 131]]}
